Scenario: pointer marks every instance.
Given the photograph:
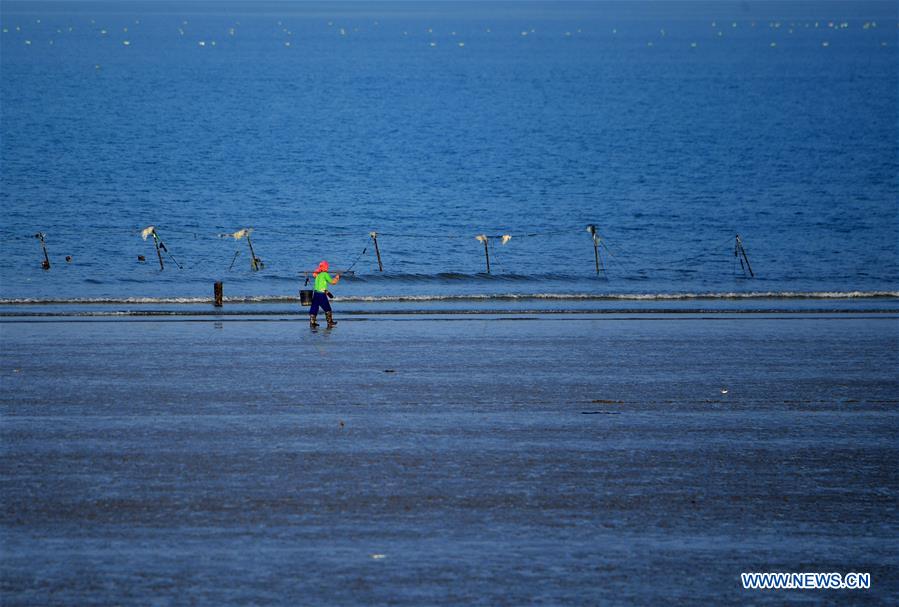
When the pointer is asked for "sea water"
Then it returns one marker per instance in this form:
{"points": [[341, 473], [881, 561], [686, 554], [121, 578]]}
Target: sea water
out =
{"points": [[672, 127]]}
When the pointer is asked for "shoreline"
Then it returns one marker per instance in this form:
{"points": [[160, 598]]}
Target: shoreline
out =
{"points": [[462, 306], [853, 295]]}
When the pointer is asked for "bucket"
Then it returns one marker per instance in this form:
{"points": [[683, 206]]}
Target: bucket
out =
{"points": [[305, 297]]}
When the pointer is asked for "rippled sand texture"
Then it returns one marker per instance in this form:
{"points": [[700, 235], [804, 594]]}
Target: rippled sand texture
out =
{"points": [[419, 460]]}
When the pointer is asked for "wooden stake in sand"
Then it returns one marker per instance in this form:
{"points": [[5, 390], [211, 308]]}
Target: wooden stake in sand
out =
{"points": [[46, 263], [374, 237]]}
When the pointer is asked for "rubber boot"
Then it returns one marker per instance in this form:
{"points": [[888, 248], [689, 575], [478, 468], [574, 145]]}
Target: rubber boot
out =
{"points": [[331, 321], [312, 321]]}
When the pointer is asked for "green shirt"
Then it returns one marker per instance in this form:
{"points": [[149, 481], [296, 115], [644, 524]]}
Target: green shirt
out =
{"points": [[322, 281]]}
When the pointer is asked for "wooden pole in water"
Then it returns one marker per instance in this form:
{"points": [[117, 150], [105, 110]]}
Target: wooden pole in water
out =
{"points": [[374, 237], [158, 252], [483, 238], [46, 263], [592, 229], [217, 292], [743, 251], [255, 263], [602, 266]]}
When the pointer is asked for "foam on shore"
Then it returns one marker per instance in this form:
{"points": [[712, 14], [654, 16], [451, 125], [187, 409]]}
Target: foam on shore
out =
{"points": [[275, 299]]}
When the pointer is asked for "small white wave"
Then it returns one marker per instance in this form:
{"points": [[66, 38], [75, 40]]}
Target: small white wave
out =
{"points": [[270, 299], [627, 296], [149, 300]]}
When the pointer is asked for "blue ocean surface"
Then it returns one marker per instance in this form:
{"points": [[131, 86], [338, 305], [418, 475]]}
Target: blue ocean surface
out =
{"points": [[670, 126]]}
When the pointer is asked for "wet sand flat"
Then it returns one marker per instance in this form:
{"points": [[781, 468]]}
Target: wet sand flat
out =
{"points": [[507, 459]]}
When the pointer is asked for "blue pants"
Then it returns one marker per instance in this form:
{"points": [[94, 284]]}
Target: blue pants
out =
{"points": [[319, 300]]}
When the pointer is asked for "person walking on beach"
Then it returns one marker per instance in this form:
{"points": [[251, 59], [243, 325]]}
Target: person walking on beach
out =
{"points": [[321, 294]]}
